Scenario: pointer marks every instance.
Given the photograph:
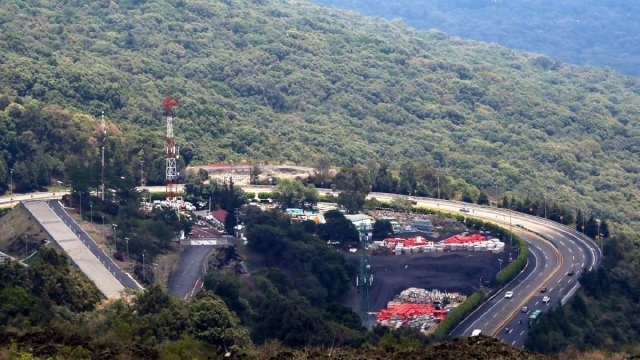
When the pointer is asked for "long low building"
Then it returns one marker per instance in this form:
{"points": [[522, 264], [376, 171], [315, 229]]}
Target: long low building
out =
{"points": [[80, 255]]}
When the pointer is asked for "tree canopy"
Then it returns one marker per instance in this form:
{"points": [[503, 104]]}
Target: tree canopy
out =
{"points": [[595, 32], [294, 82]]}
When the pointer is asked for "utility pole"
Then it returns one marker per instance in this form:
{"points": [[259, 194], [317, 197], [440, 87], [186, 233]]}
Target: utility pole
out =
{"points": [[500, 261], [127, 240], [141, 173], [364, 280], [104, 138], [438, 178], [544, 195], [91, 206], [11, 189], [80, 192]]}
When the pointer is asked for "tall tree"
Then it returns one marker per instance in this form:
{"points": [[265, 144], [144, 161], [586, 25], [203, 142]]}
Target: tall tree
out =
{"points": [[354, 185]]}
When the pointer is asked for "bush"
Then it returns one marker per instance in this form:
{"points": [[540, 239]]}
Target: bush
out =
{"points": [[250, 195], [119, 256], [264, 195], [460, 313]]}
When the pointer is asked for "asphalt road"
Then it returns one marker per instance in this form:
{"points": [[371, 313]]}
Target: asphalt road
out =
{"points": [[187, 271], [187, 274], [574, 252], [125, 279], [574, 249]]}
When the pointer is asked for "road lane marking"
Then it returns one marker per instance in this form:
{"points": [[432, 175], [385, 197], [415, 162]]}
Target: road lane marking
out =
{"points": [[498, 302], [574, 257], [561, 289], [569, 249], [559, 281], [513, 343], [521, 333], [536, 303]]}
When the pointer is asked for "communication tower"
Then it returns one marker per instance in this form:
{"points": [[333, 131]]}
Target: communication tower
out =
{"points": [[170, 151], [364, 279]]}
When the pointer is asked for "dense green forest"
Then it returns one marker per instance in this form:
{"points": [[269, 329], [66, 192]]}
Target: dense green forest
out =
{"points": [[603, 314], [594, 32], [287, 81]]}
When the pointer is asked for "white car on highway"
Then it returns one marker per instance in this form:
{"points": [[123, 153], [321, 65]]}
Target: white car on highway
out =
{"points": [[546, 299], [508, 294]]}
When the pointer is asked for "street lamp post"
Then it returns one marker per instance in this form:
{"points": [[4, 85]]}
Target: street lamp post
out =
{"points": [[91, 207], [144, 273], [11, 188], [141, 173], [71, 194], [155, 273], [127, 240], [103, 237], [438, 177], [510, 229], [496, 194], [115, 237], [500, 261], [544, 195], [599, 235]]}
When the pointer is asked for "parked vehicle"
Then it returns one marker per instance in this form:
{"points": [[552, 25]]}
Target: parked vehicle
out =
{"points": [[464, 209], [476, 332]]}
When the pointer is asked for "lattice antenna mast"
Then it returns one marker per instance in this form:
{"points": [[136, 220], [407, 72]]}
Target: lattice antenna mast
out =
{"points": [[104, 139], [170, 151]]}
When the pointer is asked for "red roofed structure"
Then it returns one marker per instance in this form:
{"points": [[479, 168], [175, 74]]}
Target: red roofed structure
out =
{"points": [[219, 216]]}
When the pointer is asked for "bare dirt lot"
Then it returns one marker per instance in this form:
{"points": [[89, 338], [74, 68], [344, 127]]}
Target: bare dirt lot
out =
{"points": [[458, 271]]}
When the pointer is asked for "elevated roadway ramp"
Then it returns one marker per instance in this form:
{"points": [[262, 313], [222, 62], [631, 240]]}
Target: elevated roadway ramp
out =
{"points": [[80, 255]]}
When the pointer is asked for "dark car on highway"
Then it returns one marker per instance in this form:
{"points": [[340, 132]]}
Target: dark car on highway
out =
{"points": [[543, 290], [571, 273]]}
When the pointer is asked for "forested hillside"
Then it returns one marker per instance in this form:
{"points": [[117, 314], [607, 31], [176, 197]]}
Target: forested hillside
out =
{"points": [[287, 81], [594, 32]]}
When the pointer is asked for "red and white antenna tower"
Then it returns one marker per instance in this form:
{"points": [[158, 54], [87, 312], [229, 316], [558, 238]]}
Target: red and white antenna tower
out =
{"points": [[170, 151]]}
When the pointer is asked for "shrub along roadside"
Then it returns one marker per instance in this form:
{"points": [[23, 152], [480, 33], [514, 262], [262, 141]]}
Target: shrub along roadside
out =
{"points": [[460, 313], [515, 267], [502, 278]]}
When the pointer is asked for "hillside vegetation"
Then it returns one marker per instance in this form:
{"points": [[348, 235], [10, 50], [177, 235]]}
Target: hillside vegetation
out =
{"points": [[594, 32], [288, 81]]}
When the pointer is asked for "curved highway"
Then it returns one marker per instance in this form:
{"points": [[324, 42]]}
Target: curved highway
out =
{"points": [[555, 252]]}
